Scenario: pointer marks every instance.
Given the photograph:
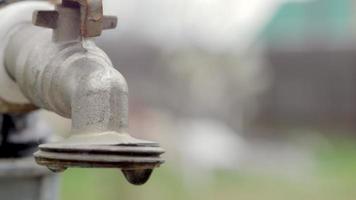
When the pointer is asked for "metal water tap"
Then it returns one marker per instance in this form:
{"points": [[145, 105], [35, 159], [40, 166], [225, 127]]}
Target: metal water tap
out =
{"points": [[65, 72]]}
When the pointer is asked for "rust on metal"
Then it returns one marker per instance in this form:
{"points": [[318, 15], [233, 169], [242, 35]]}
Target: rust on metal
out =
{"points": [[92, 20], [109, 22], [74, 78], [135, 162], [91, 14], [6, 107], [45, 18]]}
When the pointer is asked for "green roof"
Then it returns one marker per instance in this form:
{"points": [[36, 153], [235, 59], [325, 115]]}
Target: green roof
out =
{"points": [[297, 20]]}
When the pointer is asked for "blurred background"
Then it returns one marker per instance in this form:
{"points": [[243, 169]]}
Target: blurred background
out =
{"points": [[251, 99]]}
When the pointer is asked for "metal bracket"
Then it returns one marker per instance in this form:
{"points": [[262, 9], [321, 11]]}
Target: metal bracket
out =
{"points": [[92, 20]]}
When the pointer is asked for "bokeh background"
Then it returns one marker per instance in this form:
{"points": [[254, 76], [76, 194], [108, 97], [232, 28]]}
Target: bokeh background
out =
{"points": [[251, 99]]}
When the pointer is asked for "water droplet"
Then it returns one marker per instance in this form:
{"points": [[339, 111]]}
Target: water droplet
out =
{"points": [[57, 169], [137, 176]]}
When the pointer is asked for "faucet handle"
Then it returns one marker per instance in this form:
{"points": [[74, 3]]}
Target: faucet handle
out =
{"points": [[92, 20]]}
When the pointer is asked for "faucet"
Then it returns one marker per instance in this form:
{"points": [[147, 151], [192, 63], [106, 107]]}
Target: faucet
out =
{"points": [[55, 65]]}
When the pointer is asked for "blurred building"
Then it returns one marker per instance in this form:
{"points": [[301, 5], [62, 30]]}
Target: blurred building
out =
{"points": [[310, 52], [178, 63]]}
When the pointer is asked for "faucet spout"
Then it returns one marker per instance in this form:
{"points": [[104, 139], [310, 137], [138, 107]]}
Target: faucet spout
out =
{"points": [[74, 78], [100, 100]]}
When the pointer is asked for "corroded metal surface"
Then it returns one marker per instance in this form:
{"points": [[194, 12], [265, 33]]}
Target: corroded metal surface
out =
{"points": [[75, 79], [11, 16], [68, 74], [45, 18], [92, 20], [6, 107], [137, 162], [91, 13], [135, 157]]}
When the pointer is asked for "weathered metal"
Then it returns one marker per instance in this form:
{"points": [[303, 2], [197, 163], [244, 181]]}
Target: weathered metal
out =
{"points": [[12, 99], [91, 16], [68, 74], [6, 107], [45, 18], [21, 131], [92, 20], [137, 162]]}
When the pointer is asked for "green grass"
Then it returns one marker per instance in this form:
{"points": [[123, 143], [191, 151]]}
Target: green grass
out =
{"points": [[334, 177]]}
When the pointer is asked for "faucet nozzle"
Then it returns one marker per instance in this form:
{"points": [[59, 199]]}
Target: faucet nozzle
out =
{"points": [[136, 158], [65, 72]]}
